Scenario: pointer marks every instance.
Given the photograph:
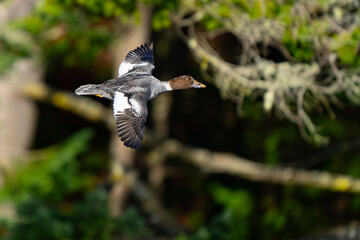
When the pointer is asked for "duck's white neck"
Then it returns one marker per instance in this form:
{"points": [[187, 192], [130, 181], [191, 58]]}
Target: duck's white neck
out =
{"points": [[161, 86], [167, 86]]}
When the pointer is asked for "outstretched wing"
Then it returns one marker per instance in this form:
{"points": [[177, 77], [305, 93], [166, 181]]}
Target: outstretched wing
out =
{"points": [[130, 113], [140, 59]]}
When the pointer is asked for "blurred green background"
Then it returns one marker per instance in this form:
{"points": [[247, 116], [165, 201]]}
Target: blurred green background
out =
{"points": [[283, 88]]}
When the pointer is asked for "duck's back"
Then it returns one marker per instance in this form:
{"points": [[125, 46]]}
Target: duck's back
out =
{"points": [[132, 83]]}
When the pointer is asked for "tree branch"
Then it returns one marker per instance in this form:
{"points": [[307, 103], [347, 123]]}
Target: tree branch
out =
{"points": [[210, 162], [227, 163], [282, 84]]}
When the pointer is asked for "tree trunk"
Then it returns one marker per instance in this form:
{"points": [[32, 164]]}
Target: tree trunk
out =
{"points": [[123, 157], [17, 113]]}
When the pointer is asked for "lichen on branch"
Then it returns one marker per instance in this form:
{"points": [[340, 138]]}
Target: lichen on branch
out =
{"points": [[313, 69]]}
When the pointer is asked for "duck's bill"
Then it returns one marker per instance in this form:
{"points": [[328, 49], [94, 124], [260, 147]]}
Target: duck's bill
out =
{"points": [[198, 85]]}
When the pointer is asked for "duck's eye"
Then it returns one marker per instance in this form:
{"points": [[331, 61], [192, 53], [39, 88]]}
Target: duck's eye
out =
{"points": [[187, 78]]}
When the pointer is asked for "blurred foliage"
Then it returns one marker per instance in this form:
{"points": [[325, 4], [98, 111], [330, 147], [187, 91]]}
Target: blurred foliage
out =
{"points": [[52, 169], [307, 31], [275, 141], [85, 219], [233, 222], [279, 217], [9, 52], [74, 32], [300, 57], [66, 32], [56, 199], [77, 30]]}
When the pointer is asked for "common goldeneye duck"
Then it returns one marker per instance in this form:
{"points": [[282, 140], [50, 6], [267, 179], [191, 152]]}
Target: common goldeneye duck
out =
{"points": [[131, 90]]}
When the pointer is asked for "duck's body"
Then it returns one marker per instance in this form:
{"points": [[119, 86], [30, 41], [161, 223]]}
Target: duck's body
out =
{"points": [[131, 90], [135, 83]]}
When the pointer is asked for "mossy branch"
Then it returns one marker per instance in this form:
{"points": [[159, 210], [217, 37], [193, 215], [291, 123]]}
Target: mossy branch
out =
{"points": [[228, 163], [289, 88]]}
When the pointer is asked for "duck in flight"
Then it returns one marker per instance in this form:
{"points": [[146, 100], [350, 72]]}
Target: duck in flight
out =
{"points": [[131, 90]]}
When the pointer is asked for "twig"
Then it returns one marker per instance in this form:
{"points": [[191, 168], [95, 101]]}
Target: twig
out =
{"points": [[282, 83], [215, 162], [326, 154]]}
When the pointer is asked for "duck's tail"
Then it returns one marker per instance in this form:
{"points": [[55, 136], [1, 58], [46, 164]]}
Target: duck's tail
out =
{"points": [[94, 89], [89, 89]]}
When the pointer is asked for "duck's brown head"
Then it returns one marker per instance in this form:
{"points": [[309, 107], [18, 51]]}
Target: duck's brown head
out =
{"points": [[184, 82]]}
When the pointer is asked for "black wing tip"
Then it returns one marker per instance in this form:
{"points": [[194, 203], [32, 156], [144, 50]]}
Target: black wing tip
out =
{"points": [[148, 45], [133, 146], [130, 140], [145, 46], [142, 53], [127, 134]]}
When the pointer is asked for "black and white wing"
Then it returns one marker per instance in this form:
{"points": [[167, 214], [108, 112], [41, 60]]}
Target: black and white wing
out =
{"points": [[130, 113], [139, 60]]}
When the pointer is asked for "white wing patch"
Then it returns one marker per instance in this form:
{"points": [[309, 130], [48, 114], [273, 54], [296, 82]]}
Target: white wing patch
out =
{"points": [[125, 67], [121, 102]]}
